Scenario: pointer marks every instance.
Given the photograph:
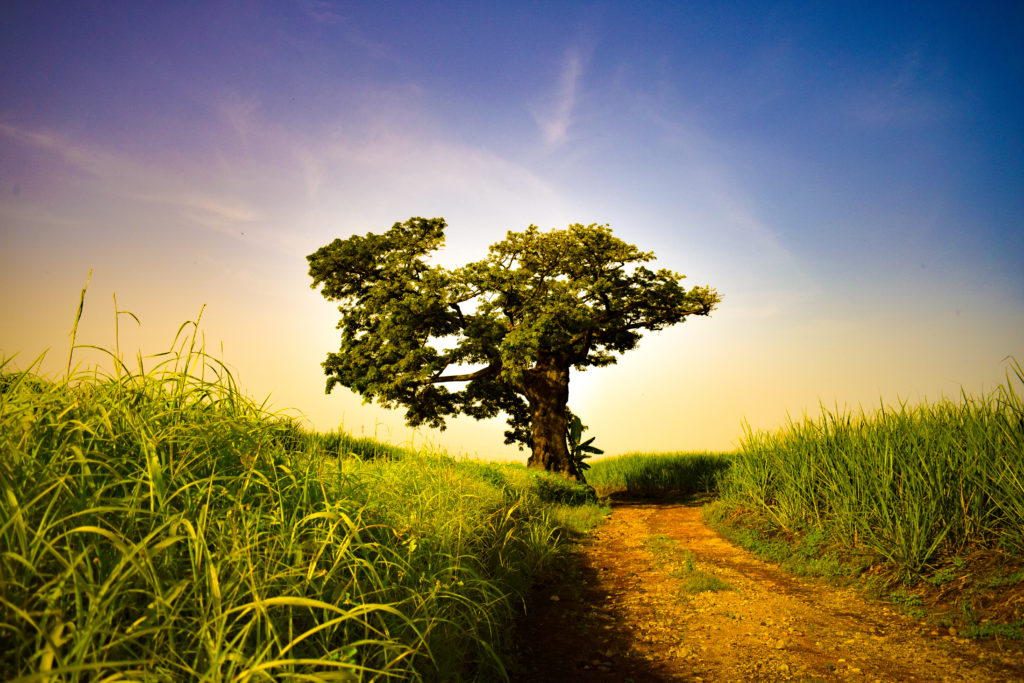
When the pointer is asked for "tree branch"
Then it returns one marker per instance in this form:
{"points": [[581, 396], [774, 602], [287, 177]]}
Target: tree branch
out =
{"points": [[586, 335], [458, 312]]}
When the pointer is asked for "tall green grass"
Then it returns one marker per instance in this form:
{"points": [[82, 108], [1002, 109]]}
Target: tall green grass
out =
{"points": [[157, 525], [658, 474], [909, 484], [340, 444]]}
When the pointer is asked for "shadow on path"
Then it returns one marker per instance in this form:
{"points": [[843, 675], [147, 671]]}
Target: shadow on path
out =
{"points": [[573, 630]]}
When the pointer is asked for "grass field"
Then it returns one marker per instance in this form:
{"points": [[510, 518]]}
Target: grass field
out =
{"points": [[925, 503], [912, 485], [156, 524], [658, 474]]}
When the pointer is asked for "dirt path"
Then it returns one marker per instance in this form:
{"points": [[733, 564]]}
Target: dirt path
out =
{"points": [[629, 616]]}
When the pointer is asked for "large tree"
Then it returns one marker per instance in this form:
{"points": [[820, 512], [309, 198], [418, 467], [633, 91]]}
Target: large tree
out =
{"points": [[495, 336]]}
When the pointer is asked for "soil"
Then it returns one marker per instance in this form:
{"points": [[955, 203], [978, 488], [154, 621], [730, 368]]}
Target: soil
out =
{"points": [[624, 613]]}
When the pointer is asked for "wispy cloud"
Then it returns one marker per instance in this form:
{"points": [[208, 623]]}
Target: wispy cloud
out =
{"points": [[192, 194], [287, 185], [238, 112], [320, 11], [326, 13], [554, 121], [712, 190], [373, 48], [900, 95], [219, 214], [81, 157]]}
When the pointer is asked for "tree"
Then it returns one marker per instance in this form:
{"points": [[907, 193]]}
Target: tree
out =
{"points": [[503, 332]]}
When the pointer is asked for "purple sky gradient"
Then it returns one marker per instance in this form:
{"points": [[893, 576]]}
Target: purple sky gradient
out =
{"points": [[851, 177]]}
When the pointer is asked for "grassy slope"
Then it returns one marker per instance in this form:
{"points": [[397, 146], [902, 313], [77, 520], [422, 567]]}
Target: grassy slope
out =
{"points": [[159, 525], [910, 484], [927, 501]]}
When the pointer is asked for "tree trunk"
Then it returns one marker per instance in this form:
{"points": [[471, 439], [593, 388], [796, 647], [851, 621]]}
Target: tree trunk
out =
{"points": [[547, 391]]}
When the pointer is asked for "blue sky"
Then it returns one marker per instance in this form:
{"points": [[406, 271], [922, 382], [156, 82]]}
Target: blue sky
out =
{"points": [[848, 175]]}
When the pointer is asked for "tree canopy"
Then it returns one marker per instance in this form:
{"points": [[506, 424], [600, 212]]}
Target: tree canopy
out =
{"points": [[495, 336]]}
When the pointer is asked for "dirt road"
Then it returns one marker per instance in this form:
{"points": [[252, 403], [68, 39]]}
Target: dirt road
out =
{"points": [[630, 615]]}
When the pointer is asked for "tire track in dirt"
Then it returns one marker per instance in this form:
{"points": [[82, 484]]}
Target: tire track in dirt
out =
{"points": [[626, 618]]}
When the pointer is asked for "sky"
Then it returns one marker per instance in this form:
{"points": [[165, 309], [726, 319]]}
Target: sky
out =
{"points": [[849, 176]]}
